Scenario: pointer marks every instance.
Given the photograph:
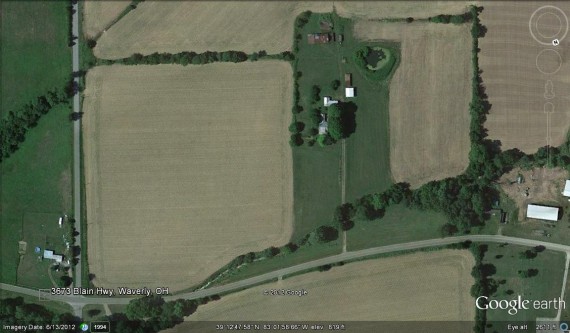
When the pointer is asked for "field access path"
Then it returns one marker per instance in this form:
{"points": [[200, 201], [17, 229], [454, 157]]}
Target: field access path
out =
{"points": [[76, 143], [77, 302]]}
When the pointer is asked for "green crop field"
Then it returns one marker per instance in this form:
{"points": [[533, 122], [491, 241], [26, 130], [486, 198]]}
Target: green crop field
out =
{"points": [[547, 285], [35, 52], [37, 178], [398, 225]]}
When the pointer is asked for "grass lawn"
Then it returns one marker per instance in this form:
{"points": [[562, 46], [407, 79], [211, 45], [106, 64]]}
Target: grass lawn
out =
{"points": [[54, 306], [36, 179], [41, 230], [368, 149], [399, 225], [318, 170], [316, 187], [35, 52], [565, 314], [547, 285], [554, 232]]}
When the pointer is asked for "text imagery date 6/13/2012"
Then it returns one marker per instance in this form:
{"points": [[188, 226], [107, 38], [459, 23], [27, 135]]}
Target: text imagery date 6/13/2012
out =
{"points": [[263, 327]]}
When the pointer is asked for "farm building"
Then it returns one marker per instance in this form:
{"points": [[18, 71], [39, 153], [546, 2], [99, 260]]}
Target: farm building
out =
{"points": [[566, 191], [323, 125], [48, 254], [327, 101], [319, 38], [542, 212], [325, 26], [349, 92], [348, 80]]}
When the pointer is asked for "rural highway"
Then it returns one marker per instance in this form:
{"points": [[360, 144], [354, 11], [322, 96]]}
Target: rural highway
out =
{"points": [[77, 302], [76, 143]]}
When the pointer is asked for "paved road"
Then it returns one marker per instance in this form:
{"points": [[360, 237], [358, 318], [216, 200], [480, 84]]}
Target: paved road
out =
{"points": [[76, 146], [343, 188], [78, 301]]}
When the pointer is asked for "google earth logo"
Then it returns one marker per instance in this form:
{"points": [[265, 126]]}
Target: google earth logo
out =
{"points": [[84, 327]]}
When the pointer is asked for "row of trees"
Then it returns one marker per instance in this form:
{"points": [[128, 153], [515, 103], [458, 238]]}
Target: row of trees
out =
{"points": [[484, 284], [153, 314], [455, 19], [186, 58], [14, 311], [16, 123], [301, 20]]}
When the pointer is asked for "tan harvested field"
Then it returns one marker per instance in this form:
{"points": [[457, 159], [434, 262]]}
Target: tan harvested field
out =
{"points": [[186, 168], [429, 98], [98, 15], [429, 286], [510, 59], [542, 186], [249, 26], [399, 9], [199, 26]]}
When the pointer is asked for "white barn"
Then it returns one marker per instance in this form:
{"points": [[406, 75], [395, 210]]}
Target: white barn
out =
{"points": [[542, 212], [327, 101], [349, 92], [566, 191]]}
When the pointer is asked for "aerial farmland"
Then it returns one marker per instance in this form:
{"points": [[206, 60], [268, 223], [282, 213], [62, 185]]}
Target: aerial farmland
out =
{"points": [[378, 163], [428, 134], [185, 167], [99, 15], [527, 111], [395, 288]]}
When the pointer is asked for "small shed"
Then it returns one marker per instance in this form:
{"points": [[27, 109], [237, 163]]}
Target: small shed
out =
{"points": [[542, 212], [349, 92], [325, 26], [323, 125], [348, 79], [327, 101], [566, 191]]}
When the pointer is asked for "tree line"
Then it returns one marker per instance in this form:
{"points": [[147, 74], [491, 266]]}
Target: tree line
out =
{"points": [[454, 19], [302, 19], [16, 123], [186, 58], [15, 311]]}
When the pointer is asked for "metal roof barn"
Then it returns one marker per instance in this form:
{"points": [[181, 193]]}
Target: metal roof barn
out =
{"points": [[542, 212]]}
